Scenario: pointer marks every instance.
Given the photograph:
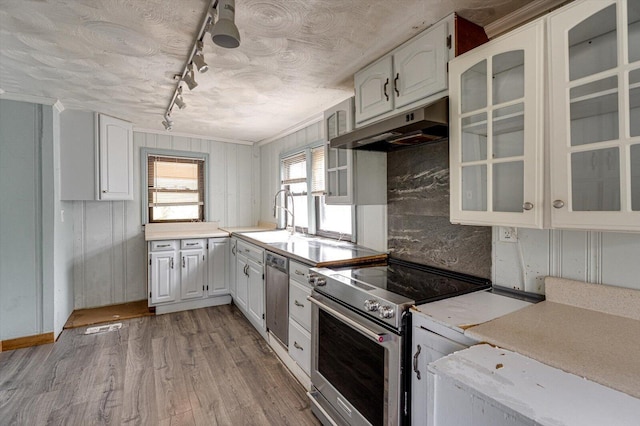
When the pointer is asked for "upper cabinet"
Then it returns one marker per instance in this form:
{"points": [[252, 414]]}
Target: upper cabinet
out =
{"points": [[595, 115], [96, 156], [410, 74], [115, 140], [496, 131], [351, 177]]}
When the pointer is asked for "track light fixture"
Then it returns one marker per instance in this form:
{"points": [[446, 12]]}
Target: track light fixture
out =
{"points": [[219, 22], [198, 59], [189, 78], [168, 122], [224, 32]]}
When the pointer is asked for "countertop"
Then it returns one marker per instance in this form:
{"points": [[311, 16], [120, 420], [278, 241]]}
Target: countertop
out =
{"points": [[592, 343], [182, 230], [461, 312], [313, 251]]}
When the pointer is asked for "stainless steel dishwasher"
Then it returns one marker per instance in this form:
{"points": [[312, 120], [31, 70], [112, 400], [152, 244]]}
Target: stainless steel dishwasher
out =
{"points": [[277, 289]]}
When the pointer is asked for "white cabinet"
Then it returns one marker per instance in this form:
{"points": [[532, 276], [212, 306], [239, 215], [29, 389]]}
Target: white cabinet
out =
{"points": [[497, 131], [115, 140], [427, 347], [232, 265], [187, 274], [250, 283], [96, 157], [218, 255], [300, 316], [351, 177], [414, 72], [595, 115], [163, 277]]}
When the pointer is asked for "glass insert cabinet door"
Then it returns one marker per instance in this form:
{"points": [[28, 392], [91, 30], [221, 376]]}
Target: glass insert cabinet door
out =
{"points": [[496, 133], [338, 179], [595, 115]]}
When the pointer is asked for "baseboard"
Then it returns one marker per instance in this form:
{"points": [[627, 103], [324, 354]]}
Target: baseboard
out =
{"points": [[27, 341], [192, 304]]}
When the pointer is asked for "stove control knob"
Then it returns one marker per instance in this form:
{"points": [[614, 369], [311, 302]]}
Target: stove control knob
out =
{"points": [[320, 282], [371, 305], [312, 279], [386, 312]]}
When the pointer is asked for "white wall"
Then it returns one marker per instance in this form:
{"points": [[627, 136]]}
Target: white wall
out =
{"points": [[109, 247], [371, 221], [596, 257], [29, 274]]}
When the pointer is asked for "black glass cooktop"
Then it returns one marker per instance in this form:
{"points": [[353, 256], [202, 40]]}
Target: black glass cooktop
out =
{"points": [[417, 282]]}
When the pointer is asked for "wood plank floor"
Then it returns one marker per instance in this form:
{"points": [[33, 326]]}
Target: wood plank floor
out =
{"points": [[201, 367]]}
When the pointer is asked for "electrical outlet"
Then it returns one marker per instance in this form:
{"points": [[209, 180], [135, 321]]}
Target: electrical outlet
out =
{"points": [[508, 234]]}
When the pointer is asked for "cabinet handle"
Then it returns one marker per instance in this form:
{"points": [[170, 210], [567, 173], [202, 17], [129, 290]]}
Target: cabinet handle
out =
{"points": [[233, 250], [171, 263], [415, 362], [104, 191], [192, 244], [384, 89], [297, 346], [247, 250], [295, 302], [558, 204], [183, 262], [245, 270], [527, 206], [299, 273], [163, 245], [395, 84]]}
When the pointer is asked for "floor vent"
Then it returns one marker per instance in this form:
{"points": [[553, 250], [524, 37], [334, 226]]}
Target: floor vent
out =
{"points": [[103, 328]]}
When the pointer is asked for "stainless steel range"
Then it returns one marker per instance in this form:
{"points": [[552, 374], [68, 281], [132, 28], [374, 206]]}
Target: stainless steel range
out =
{"points": [[360, 338]]}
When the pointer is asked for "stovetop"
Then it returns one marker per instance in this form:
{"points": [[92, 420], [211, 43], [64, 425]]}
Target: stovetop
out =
{"points": [[396, 287]]}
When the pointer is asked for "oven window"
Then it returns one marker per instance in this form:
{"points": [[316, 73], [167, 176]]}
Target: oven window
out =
{"points": [[354, 365]]}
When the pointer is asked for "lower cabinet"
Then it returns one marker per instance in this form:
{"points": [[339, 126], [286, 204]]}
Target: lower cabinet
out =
{"points": [[249, 283], [188, 274], [300, 316]]}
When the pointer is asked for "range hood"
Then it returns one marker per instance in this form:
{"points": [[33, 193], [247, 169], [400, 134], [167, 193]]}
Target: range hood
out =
{"points": [[429, 123]]}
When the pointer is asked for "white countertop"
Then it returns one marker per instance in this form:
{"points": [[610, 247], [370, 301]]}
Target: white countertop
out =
{"points": [[182, 230], [462, 312]]}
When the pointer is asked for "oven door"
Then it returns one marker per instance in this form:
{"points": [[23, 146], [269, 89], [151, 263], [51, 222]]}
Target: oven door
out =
{"points": [[355, 367]]}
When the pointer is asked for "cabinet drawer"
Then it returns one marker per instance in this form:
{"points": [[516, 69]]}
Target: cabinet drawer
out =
{"points": [[250, 251], [299, 306], [164, 245], [193, 244], [298, 272], [300, 346]]}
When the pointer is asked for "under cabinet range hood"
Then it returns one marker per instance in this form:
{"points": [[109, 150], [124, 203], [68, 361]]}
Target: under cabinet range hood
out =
{"points": [[429, 123]]}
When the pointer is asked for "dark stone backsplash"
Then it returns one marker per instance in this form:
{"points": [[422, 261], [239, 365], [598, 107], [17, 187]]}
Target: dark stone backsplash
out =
{"points": [[418, 212]]}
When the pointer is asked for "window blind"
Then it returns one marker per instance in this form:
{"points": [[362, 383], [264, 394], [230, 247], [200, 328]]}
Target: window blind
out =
{"points": [[317, 171], [294, 169]]}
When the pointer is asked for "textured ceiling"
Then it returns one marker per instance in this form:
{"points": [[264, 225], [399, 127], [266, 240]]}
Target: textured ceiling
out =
{"points": [[296, 58]]}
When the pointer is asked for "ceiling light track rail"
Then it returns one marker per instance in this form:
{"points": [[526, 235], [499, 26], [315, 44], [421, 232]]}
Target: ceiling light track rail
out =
{"points": [[224, 33]]}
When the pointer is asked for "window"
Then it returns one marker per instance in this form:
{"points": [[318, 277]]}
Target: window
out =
{"points": [[302, 173], [175, 187]]}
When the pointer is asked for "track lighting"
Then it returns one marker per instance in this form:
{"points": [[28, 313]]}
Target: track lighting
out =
{"points": [[189, 78], [198, 59], [224, 32], [168, 122], [178, 100]]}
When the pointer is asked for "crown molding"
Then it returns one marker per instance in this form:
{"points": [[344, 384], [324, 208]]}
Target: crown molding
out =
{"points": [[301, 125], [190, 135], [524, 14], [20, 97]]}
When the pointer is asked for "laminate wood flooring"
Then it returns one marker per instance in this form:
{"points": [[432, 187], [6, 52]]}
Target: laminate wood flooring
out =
{"points": [[200, 367]]}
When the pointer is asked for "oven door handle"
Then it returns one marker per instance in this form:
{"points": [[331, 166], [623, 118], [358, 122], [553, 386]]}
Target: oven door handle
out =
{"points": [[379, 338]]}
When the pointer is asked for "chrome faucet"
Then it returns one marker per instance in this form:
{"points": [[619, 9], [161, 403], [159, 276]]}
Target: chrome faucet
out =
{"points": [[276, 207]]}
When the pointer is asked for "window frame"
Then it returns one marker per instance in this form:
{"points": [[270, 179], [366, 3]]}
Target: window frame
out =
{"points": [[313, 201], [144, 184]]}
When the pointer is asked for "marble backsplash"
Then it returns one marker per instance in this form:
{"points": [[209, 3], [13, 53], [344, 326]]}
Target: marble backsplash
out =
{"points": [[418, 214]]}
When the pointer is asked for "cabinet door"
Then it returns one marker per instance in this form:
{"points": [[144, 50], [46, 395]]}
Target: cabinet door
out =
{"points": [[116, 159], [255, 294], [595, 115], [232, 266], [373, 90], [217, 258], [420, 66], [427, 347], [241, 282], [339, 176], [497, 131], [163, 277], [193, 276]]}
